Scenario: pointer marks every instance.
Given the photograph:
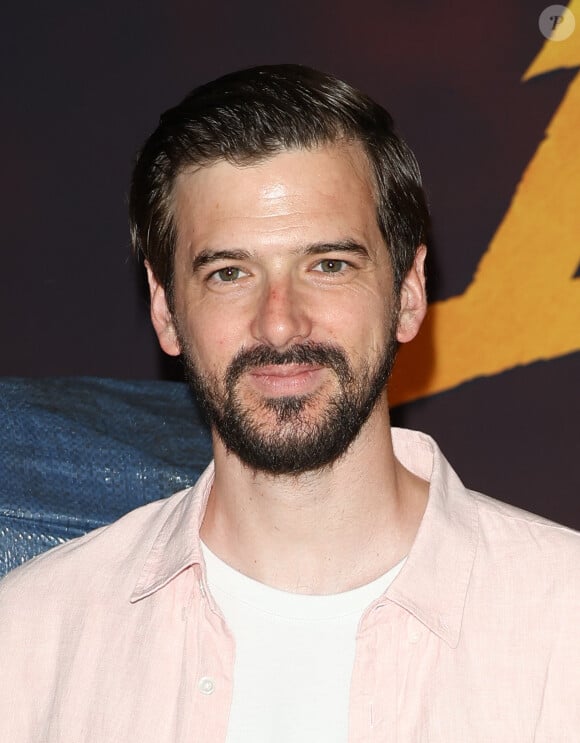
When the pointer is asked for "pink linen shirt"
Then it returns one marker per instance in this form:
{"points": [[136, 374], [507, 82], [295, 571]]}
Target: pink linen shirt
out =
{"points": [[115, 637]]}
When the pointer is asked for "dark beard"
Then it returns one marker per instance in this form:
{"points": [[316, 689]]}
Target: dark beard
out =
{"points": [[297, 445]]}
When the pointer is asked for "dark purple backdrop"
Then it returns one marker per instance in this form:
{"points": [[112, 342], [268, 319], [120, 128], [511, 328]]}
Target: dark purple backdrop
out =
{"points": [[84, 83]]}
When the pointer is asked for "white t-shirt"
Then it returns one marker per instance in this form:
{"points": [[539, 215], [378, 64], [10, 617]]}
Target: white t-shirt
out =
{"points": [[294, 656]]}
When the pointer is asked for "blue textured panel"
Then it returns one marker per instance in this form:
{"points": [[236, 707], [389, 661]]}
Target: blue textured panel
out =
{"points": [[77, 453]]}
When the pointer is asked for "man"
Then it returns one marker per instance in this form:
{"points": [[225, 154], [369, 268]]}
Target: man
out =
{"points": [[328, 578]]}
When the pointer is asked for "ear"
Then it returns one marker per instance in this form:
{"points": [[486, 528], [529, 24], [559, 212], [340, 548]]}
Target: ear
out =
{"points": [[413, 299], [161, 316]]}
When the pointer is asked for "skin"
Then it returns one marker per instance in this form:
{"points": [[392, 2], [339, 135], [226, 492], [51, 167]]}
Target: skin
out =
{"points": [[298, 235]]}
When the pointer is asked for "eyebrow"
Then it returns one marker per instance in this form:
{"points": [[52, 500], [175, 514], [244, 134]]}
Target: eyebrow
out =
{"points": [[342, 246], [207, 257]]}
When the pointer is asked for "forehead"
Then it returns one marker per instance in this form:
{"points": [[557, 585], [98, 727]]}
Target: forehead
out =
{"points": [[329, 188]]}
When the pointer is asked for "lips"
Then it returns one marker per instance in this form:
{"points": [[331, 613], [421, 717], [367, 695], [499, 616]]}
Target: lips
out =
{"points": [[286, 379], [300, 361], [284, 370]]}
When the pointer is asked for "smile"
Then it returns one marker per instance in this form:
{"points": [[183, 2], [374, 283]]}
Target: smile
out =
{"points": [[286, 379]]}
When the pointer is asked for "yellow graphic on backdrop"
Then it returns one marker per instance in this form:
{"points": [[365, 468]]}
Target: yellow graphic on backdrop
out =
{"points": [[523, 304]]}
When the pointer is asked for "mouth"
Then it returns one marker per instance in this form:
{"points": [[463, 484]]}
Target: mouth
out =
{"points": [[286, 379]]}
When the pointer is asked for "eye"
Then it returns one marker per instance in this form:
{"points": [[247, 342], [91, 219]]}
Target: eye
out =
{"points": [[331, 265], [228, 274]]}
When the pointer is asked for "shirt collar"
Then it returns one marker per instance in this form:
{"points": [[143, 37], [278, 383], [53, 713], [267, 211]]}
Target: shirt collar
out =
{"points": [[177, 545], [434, 581]]}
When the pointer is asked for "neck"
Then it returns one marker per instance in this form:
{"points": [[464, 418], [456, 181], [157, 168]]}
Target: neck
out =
{"points": [[324, 531]]}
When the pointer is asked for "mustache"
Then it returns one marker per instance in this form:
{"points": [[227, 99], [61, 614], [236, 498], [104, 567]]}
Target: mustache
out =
{"points": [[320, 354]]}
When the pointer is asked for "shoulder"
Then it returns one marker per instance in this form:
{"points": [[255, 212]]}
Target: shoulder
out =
{"points": [[88, 564], [495, 515], [528, 546]]}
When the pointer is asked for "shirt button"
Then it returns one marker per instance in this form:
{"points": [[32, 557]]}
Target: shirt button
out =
{"points": [[414, 636], [206, 685]]}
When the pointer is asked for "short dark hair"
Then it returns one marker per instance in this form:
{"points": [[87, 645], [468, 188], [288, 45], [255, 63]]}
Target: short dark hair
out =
{"points": [[253, 114]]}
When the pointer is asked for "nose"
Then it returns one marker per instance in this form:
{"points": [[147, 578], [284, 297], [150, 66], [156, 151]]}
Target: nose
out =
{"points": [[281, 317]]}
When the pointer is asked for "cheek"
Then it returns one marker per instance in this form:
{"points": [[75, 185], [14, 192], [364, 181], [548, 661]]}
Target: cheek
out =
{"points": [[213, 342], [360, 314]]}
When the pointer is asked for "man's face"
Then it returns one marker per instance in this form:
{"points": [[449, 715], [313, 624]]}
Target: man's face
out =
{"points": [[283, 303]]}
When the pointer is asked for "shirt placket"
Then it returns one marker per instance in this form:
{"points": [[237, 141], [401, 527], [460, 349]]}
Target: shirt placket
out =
{"points": [[373, 697], [213, 684]]}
